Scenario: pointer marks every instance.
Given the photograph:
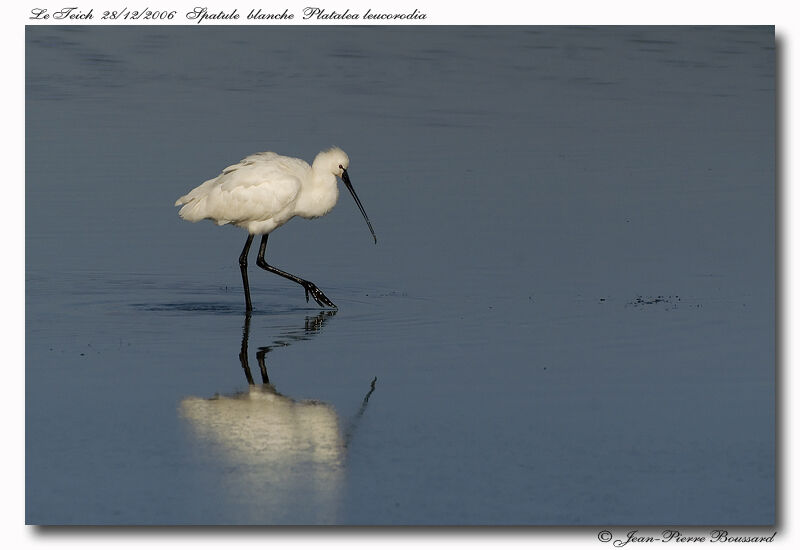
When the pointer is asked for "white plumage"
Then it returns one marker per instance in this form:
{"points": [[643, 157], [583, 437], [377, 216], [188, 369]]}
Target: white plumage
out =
{"points": [[264, 191]]}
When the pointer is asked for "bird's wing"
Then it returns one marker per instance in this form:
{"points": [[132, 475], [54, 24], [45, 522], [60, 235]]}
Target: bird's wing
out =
{"points": [[260, 187], [260, 158]]}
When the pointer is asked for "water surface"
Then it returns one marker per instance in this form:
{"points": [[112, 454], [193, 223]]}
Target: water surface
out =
{"points": [[568, 317]]}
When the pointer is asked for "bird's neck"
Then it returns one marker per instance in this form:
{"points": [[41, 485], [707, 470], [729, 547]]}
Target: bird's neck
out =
{"points": [[318, 196]]}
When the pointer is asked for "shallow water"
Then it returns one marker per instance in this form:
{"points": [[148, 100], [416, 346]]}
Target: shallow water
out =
{"points": [[568, 317]]}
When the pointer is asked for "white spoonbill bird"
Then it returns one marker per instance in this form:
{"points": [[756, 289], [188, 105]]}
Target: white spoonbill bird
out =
{"points": [[263, 192]]}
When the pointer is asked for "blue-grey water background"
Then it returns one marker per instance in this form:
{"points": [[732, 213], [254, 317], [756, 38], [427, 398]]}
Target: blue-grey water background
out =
{"points": [[569, 311]]}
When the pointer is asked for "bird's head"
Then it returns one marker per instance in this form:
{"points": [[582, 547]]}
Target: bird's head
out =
{"points": [[341, 165], [334, 161], [337, 161]]}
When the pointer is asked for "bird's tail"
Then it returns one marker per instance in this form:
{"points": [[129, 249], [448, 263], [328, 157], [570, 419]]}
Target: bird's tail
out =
{"points": [[195, 202], [192, 208]]}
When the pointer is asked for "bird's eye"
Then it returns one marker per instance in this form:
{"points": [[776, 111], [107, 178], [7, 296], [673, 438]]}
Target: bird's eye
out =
{"points": [[342, 167]]}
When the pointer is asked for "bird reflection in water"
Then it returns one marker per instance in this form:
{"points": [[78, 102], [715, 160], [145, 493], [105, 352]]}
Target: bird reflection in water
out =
{"points": [[284, 458]]}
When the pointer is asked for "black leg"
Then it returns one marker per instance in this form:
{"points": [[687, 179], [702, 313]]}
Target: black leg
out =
{"points": [[243, 267], [261, 357], [309, 287], [243, 351]]}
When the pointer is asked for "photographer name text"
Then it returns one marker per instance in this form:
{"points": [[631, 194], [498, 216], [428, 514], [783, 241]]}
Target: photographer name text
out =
{"points": [[676, 536]]}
